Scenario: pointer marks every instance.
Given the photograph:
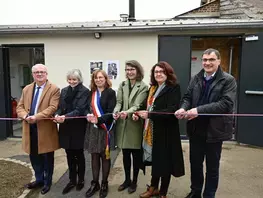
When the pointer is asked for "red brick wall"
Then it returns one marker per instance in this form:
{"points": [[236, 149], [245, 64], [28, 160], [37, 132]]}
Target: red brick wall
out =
{"points": [[211, 7]]}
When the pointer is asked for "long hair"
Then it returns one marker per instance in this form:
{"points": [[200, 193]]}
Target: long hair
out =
{"points": [[168, 71], [93, 86], [138, 67]]}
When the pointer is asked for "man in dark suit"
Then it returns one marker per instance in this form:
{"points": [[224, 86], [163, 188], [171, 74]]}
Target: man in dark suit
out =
{"points": [[39, 101]]}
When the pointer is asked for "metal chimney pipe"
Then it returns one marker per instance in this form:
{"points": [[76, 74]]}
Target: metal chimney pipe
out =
{"points": [[132, 10]]}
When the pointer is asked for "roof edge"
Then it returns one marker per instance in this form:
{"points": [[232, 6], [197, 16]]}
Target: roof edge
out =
{"points": [[159, 27]]}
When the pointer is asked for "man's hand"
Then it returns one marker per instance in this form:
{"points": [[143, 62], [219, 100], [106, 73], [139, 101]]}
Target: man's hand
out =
{"points": [[123, 115], [31, 119], [180, 113], [143, 114], [191, 114]]}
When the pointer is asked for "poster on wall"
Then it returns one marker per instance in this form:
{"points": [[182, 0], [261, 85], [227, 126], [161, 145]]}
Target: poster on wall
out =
{"points": [[95, 65], [112, 69], [196, 63]]}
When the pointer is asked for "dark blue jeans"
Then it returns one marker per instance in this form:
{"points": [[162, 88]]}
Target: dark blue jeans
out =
{"points": [[211, 152]]}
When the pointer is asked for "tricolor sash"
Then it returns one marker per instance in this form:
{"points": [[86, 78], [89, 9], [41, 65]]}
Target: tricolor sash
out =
{"points": [[98, 112]]}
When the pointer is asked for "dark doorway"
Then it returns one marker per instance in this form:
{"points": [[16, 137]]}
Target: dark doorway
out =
{"points": [[15, 67], [176, 50]]}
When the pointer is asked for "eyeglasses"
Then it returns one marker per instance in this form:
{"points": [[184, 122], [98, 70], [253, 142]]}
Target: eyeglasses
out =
{"points": [[129, 70], [210, 60], [159, 72], [39, 72], [100, 77]]}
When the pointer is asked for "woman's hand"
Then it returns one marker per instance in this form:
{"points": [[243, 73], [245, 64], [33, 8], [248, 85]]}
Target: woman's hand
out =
{"points": [[123, 115], [143, 114], [92, 118], [116, 116], [135, 116], [59, 119], [89, 116]]}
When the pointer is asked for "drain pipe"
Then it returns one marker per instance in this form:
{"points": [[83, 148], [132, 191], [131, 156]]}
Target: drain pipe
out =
{"points": [[230, 59]]}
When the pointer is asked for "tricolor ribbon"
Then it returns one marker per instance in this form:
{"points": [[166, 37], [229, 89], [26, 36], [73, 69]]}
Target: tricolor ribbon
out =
{"points": [[98, 112]]}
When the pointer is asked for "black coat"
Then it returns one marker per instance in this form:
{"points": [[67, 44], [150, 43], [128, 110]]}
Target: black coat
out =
{"points": [[167, 155], [72, 131], [221, 98], [107, 103]]}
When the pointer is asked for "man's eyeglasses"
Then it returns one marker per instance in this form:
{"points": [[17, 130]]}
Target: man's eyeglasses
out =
{"points": [[210, 60], [129, 70], [39, 72]]}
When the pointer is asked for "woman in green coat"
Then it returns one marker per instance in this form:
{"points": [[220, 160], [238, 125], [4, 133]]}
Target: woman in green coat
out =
{"points": [[130, 97]]}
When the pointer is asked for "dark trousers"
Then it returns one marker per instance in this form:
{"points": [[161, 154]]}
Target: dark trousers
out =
{"points": [[136, 158], [165, 181], [76, 164], [43, 165], [200, 150]]}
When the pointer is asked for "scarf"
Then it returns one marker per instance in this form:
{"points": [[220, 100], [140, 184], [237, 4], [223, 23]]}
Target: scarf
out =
{"points": [[148, 125], [70, 96]]}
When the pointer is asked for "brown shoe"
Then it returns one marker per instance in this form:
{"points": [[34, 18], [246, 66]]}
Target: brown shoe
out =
{"points": [[151, 191], [163, 196]]}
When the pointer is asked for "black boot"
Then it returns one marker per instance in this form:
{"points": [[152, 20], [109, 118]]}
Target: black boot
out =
{"points": [[132, 188], [193, 194], [68, 187], [125, 185], [80, 185], [95, 186], [104, 189]]}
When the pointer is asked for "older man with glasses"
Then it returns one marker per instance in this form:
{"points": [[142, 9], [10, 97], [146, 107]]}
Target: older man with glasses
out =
{"points": [[38, 102]]}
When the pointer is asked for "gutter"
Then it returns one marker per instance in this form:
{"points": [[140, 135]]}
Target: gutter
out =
{"points": [[132, 27]]}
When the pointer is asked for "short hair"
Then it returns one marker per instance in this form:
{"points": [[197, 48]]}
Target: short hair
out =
{"points": [[75, 73], [138, 67], [93, 86], [168, 71], [38, 65], [210, 51]]}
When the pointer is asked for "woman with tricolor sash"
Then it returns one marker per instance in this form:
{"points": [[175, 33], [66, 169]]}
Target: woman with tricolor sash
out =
{"points": [[98, 135], [161, 137]]}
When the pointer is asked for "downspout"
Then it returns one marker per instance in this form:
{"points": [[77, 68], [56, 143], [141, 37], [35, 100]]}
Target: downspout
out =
{"points": [[230, 59]]}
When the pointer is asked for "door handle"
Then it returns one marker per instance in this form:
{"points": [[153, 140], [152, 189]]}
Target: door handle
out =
{"points": [[249, 92]]}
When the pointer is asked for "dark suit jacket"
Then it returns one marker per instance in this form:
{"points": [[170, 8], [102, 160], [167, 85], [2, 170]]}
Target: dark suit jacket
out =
{"points": [[72, 131]]}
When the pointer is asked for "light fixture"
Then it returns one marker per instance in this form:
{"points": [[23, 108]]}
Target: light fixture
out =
{"points": [[97, 35], [124, 17]]}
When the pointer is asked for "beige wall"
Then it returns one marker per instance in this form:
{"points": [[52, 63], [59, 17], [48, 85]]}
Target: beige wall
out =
{"points": [[66, 52]]}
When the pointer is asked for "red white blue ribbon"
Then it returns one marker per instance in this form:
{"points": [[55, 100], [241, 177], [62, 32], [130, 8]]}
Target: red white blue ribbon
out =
{"points": [[98, 112]]}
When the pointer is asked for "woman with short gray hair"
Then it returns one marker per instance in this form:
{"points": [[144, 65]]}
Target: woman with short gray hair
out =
{"points": [[73, 102]]}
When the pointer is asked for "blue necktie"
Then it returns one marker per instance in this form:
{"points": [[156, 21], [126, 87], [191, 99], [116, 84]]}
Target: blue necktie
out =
{"points": [[34, 103]]}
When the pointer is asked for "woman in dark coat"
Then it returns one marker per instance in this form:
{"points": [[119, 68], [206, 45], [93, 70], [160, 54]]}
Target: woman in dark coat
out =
{"points": [[99, 131], [161, 141], [73, 102]]}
